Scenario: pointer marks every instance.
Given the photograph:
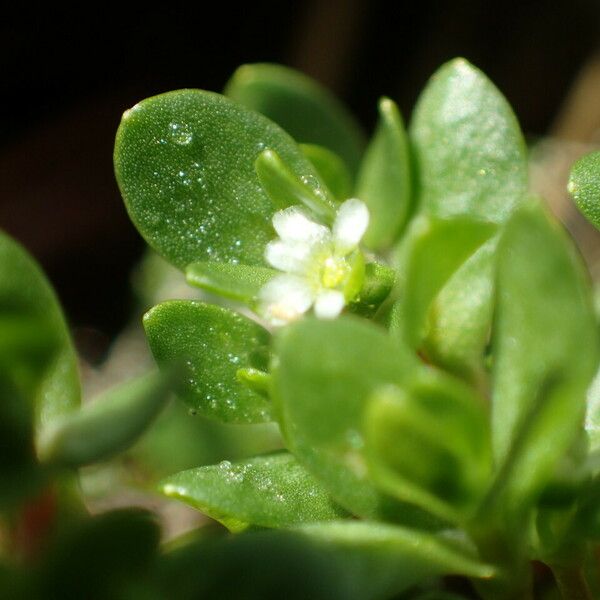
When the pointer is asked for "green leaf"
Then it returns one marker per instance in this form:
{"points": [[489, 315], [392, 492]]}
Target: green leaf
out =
{"points": [[252, 566], [99, 557], [546, 353], [324, 374], [107, 425], [382, 560], [285, 188], [307, 111], [233, 281], [28, 303], [377, 285], [384, 181], [592, 416], [323, 561], [268, 491], [460, 317], [470, 153], [331, 169], [433, 250], [184, 162], [429, 444], [211, 344], [584, 186]]}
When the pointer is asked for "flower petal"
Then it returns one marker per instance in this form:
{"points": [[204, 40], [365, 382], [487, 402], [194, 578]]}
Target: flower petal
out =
{"points": [[291, 258], [329, 304], [284, 298], [350, 225], [293, 225]]}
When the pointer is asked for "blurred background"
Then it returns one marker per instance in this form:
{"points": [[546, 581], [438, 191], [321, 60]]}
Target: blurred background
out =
{"points": [[68, 76]]}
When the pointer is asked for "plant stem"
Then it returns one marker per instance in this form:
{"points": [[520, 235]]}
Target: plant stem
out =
{"points": [[571, 582]]}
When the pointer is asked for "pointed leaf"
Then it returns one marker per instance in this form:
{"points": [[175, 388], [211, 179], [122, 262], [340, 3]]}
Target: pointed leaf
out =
{"points": [[211, 344], [384, 180], [584, 186], [108, 425], [433, 250], [268, 491], [234, 281], [546, 352], [307, 111], [331, 169], [469, 149], [383, 560], [460, 318], [184, 162]]}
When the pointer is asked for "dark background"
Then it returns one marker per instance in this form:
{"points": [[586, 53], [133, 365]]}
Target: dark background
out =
{"points": [[68, 76]]}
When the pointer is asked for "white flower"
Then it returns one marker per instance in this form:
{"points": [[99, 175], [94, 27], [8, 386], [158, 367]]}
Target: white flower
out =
{"points": [[321, 265]]}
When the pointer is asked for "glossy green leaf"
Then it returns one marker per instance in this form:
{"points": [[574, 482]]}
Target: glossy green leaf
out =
{"points": [[546, 352], [429, 443], [184, 163], [109, 424], [285, 189], [331, 168], [584, 186], [211, 344], [460, 317], [434, 249], [234, 281], [32, 321], [384, 181], [470, 152], [307, 111], [268, 491], [323, 377], [383, 560]]}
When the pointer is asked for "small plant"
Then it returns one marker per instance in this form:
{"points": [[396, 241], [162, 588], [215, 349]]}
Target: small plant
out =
{"points": [[413, 320]]}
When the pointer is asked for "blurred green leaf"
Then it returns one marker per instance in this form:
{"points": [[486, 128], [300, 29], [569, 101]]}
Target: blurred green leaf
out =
{"points": [[324, 374], [268, 491], [470, 153], [460, 317], [584, 186], [251, 566], [429, 443], [177, 441], [307, 111], [285, 189], [592, 417], [109, 424], [341, 560], [210, 344], [384, 181], [100, 557], [331, 168], [184, 162], [433, 251], [43, 366], [546, 353], [233, 281], [377, 285], [381, 560]]}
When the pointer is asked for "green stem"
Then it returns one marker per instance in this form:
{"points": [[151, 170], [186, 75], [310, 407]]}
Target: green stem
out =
{"points": [[571, 582]]}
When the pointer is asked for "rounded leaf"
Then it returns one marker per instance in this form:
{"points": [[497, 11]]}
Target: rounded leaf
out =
{"points": [[184, 163], [211, 344]]}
